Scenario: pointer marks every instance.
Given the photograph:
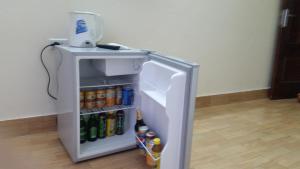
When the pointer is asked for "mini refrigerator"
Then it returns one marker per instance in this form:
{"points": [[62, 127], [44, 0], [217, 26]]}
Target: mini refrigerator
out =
{"points": [[164, 90]]}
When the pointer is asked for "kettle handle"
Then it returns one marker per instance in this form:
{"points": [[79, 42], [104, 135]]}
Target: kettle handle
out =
{"points": [[99, 27]]}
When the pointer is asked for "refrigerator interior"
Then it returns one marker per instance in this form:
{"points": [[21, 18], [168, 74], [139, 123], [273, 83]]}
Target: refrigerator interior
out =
{"points": [[158, 92], [93, 78]]}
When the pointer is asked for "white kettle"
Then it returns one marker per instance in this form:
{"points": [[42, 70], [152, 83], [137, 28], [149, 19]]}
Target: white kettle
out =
{"points": [[86, 29]]}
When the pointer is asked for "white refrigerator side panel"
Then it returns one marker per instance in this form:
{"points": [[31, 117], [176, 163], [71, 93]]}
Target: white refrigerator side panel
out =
{"points": [[65, 105]]}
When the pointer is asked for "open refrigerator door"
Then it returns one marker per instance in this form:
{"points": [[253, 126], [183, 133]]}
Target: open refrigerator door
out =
{"points": [[161, 90]]}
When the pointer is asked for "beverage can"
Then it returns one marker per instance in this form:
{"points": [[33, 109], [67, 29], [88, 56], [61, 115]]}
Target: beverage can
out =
{"points": [[127, 96], [150, 135], [110, 124], [120, 122], [102, 126], [110, 96], [101, 93], [90, 104], [90, 101], [81, 104], [118, 95], [100, 103], [81, 96], [90, 95]]}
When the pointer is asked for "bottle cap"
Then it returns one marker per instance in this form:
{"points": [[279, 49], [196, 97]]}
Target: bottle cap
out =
{"points": [[156, 141]]}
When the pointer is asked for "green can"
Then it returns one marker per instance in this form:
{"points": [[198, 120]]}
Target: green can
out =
{"points": [[102, 126]]}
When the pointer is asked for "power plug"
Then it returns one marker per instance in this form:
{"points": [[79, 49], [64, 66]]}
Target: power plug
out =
{"points": [[61, 41]]}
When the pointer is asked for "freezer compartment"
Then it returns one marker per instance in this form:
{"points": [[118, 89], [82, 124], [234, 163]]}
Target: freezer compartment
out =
{"points": [[113, 67], [162, 91], [110, 66]]}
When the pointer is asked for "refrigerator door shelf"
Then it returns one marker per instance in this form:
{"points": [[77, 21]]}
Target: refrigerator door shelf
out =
{"points": [[156, 96], [146, 149]]}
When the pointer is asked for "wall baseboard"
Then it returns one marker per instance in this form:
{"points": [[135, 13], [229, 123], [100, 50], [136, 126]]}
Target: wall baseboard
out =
{"points": [[32, 125], [214, 100]]}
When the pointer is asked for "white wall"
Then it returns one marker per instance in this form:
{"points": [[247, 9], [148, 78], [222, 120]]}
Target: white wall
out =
{"points": [[25, 28], [231, 39]]}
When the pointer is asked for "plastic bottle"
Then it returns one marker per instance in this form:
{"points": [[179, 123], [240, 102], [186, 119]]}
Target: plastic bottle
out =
{"points": [[156, 151]]}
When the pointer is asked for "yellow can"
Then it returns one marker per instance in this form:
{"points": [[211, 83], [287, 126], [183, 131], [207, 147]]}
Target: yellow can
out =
{"points": [[90, 104], [81, 96], [111, 124], [82, 104], [90, 95]]}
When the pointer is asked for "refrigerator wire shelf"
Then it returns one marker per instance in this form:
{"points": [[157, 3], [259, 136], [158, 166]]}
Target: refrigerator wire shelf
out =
{"points": [[105, 109], [147, 150], [87, 83]]}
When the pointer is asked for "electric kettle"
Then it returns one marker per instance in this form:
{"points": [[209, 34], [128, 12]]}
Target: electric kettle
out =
{"points": [[86, 29]]}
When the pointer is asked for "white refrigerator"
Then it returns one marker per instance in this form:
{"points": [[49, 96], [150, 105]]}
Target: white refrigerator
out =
{"points": [[164, 91]]}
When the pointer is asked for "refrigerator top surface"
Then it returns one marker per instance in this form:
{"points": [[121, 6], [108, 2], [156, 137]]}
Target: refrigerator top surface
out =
{"points": [[99, 51]]}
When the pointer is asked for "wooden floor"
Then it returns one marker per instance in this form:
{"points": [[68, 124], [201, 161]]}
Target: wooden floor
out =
{"points": [[259, 134]]}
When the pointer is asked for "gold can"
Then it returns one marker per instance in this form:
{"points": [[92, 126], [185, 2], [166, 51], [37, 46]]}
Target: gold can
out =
{"points": [[90, 95], [81, 96], [110, 96], [111, 124], [101, 94], [90, 104], [82, 104]]}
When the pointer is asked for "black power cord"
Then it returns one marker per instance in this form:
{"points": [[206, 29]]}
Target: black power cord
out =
{"points": [[44, 65]]}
